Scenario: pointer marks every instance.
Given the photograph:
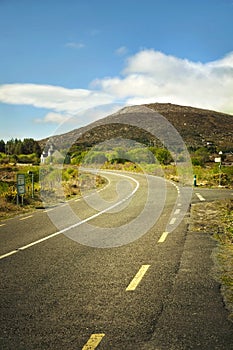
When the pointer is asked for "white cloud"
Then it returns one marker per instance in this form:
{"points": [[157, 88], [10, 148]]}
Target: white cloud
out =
{"points": [[94, 32], [149, 76], [55, 98], [75, 45], [52, 117], [121, 51]]}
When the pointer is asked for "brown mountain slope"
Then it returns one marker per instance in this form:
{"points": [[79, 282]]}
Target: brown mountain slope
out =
{"points": [[196, 126]]}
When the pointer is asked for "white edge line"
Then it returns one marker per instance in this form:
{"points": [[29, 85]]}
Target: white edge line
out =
{"points": [[202, 199], [8, 254], [26, 217], [78, 223]]}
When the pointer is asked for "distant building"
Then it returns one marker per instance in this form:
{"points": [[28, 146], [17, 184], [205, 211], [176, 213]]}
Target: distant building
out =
{"points": [[51, 156]]}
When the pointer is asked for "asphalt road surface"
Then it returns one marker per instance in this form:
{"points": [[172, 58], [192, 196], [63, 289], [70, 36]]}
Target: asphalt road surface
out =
{"points": [[115, 269]]}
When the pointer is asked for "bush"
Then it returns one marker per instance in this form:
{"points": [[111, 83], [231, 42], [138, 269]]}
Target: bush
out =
{"points": [[11, 194], [28, 159]]}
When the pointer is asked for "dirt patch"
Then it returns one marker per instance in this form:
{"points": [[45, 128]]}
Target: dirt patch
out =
{"points": [[215, 218]]}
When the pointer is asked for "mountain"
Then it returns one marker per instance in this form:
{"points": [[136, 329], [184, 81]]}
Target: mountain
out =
{"points": [[197, 127]]}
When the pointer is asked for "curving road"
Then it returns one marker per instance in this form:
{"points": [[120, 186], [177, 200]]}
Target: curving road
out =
{"points": [[115, 269]]}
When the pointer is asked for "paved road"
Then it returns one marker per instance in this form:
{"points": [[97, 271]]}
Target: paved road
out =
{"points": [[156, 292]]}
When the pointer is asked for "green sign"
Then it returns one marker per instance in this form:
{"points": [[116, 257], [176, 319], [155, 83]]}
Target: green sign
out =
{"points": [[21, 184]]}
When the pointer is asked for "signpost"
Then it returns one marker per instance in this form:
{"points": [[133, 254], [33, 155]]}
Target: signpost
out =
{"points": [[32, 175], [21, 189], [219, 160]]}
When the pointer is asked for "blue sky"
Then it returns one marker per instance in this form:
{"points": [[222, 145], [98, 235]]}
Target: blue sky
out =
{"points": [[61, 61]]}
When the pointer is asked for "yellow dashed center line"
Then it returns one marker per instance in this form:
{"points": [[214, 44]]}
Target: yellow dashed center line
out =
{"points": [[93, 341], [163, 237], [138, 277]]}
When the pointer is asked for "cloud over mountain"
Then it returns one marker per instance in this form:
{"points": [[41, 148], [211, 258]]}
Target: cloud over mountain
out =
{"points": [[151, 76], [148, 76]]}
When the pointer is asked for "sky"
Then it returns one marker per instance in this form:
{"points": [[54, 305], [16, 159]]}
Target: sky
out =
{"points": [[66, 63]]}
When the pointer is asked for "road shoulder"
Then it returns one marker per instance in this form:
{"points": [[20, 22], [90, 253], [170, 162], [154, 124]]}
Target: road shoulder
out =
{"points": [[194, 315]]}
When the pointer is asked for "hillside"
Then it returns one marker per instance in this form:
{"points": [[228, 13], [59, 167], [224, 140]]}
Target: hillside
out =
{"points": [[197, 127]]}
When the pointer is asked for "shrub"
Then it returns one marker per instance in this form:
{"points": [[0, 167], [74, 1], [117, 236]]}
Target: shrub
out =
{"points": [[11, 194]]}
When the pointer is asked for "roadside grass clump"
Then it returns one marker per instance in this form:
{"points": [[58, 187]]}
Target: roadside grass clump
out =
{"points": [[51, 186], [213, 176]]}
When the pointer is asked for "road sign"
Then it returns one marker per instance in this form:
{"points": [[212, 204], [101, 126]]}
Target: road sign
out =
{"points": [[217, 160], [21, 184]]}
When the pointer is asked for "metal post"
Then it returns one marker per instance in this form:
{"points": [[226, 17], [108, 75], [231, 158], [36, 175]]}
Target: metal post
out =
{"points": [[220, 168], [32, 180], [220, 173], [32, 185], [194, 180]]}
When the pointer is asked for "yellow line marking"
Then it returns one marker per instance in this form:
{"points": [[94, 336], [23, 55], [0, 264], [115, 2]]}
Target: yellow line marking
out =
{"points": [[138, 277], [163, 237], [93, 341], [27, 217], [2, 224]]}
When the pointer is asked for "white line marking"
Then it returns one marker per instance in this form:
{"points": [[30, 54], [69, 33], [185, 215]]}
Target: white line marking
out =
{"points": [[163, 237], [173, 220], [177, 211], [138, 277], [38, 241], [93, 341], [200, 197], [26, 217], [2, 224], [78, 223], [47, 210], [8, 254]]}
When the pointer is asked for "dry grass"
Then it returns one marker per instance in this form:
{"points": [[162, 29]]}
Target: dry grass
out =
{"points": [[71, 188], [9, 210]]}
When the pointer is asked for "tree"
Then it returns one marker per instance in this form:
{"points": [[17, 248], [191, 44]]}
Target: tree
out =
{"points": [[18, 147], [141, 155], [28, 146], [203, 154], [2, 146], [10, 146], [36, 149], [163, 156]]}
